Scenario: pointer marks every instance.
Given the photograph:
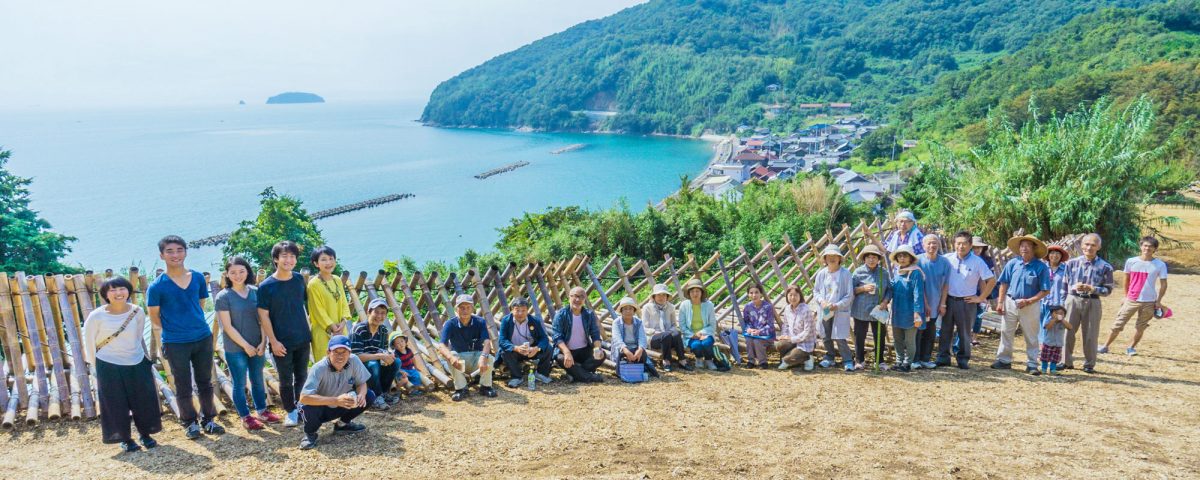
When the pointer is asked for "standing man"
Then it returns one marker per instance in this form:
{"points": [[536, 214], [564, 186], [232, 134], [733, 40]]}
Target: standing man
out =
{"points": [[281, 301], [1024, 281], [336, 389], [577, 336], [906, 233], [937, 274], [1089, 277], [523, 340], [175, 302], [1141, 298], [968, 285], [465, 345]]}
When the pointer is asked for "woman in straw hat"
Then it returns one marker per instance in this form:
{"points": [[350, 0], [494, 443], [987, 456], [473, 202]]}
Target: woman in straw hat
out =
{"points": [[629, 337], [834, 291], [658, 315], [1054, 313], [698, 323], [872, 289], [908, 305]]}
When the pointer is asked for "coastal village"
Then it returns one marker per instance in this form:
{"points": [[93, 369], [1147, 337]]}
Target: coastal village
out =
{"points": [[758, 154]]}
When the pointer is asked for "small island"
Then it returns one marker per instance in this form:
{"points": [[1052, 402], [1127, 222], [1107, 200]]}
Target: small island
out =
{"points": [[295, 97]]}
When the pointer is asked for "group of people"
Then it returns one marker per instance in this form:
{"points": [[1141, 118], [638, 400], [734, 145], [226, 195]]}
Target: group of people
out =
{"points": [[332, 370]]}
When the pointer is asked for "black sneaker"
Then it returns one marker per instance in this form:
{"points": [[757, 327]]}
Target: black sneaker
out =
{"points": [[149, 442], [1089, 370], [128, 446], [1001, 366], [1033, 371], [459, 395], [963, 366], [192, 432], [487, 392], [941, 363], [1063, 366], [595, 378], [687, 367], [349, 427], [667, 367], [309, 441], [211, 427]]}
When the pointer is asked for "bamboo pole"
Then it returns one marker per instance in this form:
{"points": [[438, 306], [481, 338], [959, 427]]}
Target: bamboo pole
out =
{"points": [[419, 344], [12, 345], [38, 285], [31, 329], [81, 384], [10, 408], [78, 285]]}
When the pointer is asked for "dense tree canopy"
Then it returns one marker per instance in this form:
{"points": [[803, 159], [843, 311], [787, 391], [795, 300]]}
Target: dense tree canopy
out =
{"points": [[281, 218], [26, 242]]}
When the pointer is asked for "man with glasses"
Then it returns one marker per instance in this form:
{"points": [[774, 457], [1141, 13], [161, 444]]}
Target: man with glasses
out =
{"points": [[1089, 277]]}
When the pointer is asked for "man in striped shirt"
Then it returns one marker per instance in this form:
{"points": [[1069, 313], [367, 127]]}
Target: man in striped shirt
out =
{"points": [[1089, 277]]}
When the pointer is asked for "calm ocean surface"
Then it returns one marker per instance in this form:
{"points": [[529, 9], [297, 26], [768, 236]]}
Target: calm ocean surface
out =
{"points": [[120, 180]]}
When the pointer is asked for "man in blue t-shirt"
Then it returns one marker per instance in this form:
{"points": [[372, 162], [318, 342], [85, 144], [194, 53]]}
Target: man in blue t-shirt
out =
{"points": [[176, 305]]}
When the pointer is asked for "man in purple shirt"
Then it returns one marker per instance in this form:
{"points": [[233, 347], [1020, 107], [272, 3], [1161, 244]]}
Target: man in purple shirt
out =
{"points": [[1089, 277]]}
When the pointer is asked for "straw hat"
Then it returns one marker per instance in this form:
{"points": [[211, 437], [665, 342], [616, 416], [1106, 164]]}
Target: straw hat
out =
{"points": [[1039, 247], [1062, 251], [978, 242], [692, 284], [903, 249], [832, 250], [660, 289], [869, 250], [627, 302]]}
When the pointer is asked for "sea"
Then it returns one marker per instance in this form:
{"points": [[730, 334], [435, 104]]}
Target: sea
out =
{"points": [[120, 179]]}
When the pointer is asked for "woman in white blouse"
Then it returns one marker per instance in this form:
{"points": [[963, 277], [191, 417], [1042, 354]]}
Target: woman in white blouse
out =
{"points": [[116, 349]]}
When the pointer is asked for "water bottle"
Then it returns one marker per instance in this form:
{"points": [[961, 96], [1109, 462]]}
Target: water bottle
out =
{"points": [[531, 381]]}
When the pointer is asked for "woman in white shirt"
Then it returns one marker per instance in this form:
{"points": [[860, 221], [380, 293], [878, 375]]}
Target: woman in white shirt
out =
{"points": [[114, 346]]}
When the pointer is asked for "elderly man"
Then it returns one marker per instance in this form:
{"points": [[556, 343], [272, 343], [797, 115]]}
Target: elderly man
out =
{"points": [[523, 340], [906, 233], [577, 336], [968, 275], [937, 271], [466, 347], [1024, 281], [370, 343], [336, 389], [1141, 298], [1089, 277]]}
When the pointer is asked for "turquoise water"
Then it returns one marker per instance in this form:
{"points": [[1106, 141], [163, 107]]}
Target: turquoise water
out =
{"points": [[120, 180]]}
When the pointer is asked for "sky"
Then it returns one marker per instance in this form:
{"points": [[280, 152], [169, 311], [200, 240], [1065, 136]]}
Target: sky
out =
{"points": [[150, 53]]}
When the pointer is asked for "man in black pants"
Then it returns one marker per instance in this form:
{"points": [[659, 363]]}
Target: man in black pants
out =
{"points": [[523, 339], [176, 305], [968, 275], [281, 301], [577, 336]]}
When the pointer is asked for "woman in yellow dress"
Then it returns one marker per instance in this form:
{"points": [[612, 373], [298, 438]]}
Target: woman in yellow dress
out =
{"points": [[328, 311]]}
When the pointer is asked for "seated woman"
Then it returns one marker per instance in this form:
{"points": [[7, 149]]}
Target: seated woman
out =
{"points": [[658, 315], [629, 337], [114, 346], [758, 327], [908, 305], [798, 337], [698, 323]]}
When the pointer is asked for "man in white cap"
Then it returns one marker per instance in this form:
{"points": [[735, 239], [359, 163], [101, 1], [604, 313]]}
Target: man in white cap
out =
{"points": [[906, 233], [336, 389], [577, 336], [465, 344], [369, 341], [1024, 281]]}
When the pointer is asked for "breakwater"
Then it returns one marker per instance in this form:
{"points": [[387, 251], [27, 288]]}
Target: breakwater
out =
{"points": [[505, 169], [374, 202], [569, 148]]}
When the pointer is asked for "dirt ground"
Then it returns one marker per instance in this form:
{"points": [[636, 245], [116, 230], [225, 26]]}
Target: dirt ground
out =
{"points": [[1139, 417]]}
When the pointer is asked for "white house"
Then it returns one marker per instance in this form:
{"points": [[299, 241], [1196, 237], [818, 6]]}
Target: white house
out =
{"points": [[736, 171], [722, 187]]}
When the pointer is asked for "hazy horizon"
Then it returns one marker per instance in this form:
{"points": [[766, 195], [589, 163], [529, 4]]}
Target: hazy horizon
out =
{"points": [[151, 54]]}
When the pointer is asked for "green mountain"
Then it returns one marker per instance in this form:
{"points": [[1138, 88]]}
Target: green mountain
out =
{"points": [[1121, 54], [675, 66]]}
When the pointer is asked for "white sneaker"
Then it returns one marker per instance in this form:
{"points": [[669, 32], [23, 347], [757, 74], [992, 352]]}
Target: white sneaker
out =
{"points": [[783, 365], [917, 365], [710, 364], [542, 378], [292, 419], [929, 365], [808, 365]]}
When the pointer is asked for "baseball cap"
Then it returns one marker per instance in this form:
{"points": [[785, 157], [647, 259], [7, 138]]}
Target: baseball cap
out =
{"points": [[339, 341]]}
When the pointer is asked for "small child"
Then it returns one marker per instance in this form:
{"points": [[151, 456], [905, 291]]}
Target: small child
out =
{"points": [[1054, 327], [407, 377]]}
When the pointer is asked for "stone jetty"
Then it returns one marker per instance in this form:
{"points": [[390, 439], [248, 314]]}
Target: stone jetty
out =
{"points": [[505, 169], [569, 148], [374, 202]]}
